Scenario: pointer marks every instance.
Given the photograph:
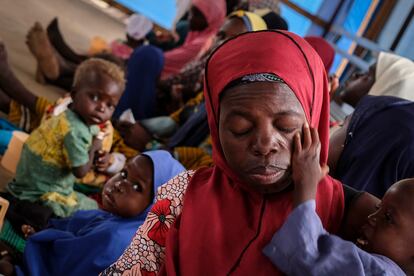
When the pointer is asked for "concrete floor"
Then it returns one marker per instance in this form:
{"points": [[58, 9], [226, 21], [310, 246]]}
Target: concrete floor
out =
{"points": [[79, 20]]}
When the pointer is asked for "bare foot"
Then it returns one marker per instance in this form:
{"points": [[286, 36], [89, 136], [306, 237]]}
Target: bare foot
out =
{"points": [[43, 51]]}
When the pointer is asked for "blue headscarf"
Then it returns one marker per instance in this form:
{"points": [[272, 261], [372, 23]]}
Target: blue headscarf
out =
{"points": [[90, 241], [379, 147]]}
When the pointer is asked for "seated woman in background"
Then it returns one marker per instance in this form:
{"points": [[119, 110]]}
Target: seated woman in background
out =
{"points": [[374, 148], [392, 75], [89, 241], [190, 84], [186, 130], [205, 19], [261, 90]]}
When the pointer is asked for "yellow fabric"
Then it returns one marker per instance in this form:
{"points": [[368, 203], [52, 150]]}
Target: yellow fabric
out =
{"points": [[257, 23], [119, 145], [42, 106], [71, 200], [16, 112], [98, 45], [192, 102], [193, 158], [47, 142]]}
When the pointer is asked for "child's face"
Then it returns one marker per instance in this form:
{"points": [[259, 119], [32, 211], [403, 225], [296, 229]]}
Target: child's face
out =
{"points": [[129, 192], [95, 98], [389, 231]]}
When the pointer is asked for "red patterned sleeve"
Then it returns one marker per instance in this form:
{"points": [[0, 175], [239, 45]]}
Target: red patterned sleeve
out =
{"points": [[145, 255]]}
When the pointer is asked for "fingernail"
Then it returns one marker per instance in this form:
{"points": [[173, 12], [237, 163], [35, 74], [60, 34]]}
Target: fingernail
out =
{"points": [[306, 125]]}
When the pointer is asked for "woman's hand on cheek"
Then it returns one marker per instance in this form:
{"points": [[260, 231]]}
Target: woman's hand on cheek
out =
{"points": [[306, 170]]}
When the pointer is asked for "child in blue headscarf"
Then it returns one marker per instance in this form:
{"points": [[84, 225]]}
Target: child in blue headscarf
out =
{"points": [[89, 241]]}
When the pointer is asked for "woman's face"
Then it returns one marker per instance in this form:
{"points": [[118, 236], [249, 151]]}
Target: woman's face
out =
{"points": [[256, 128], [129, 192], [358, 86], [231, 27]]}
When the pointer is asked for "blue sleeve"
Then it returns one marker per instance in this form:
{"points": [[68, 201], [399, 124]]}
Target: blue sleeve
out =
{"points": [[79, 220], [303, 247]]}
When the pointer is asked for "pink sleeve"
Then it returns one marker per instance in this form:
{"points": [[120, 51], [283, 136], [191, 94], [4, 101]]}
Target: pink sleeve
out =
{"points": [[145, 255], [176, 59]]}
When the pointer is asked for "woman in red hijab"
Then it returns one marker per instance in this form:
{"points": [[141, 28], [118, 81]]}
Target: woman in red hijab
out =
{"points": [[261, 89]]}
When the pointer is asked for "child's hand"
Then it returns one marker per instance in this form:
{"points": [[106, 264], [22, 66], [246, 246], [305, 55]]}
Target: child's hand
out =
{"points": [[102, 161], [333, 85], [96, 144], [306, 170]]}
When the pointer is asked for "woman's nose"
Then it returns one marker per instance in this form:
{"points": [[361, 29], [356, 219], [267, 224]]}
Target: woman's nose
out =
{"points": [[266, 141]]}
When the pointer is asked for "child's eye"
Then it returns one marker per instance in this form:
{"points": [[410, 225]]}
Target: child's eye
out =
{"points": [[388, 218], [124, 174], [137, 187], [94, 98]]}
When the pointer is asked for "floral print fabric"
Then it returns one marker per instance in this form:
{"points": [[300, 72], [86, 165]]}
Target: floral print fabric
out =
{"points": [[145, 255]]}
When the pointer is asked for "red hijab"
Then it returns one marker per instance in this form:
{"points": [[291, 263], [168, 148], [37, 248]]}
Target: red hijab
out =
{"points": [[324, 49], [225, 224]]}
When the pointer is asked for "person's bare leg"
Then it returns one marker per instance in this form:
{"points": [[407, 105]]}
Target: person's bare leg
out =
{"points": [[60, 45], [39, 45], [11, 85]]}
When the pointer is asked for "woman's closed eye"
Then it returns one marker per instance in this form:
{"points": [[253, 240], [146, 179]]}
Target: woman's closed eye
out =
{"points": [[287, 124], [240, 132], [287, 130]]}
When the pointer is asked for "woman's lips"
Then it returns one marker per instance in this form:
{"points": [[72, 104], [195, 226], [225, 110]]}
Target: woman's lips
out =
{"points": [[266, 174]]}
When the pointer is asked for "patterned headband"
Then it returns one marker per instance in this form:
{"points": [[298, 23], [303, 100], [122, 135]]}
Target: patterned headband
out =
{"points": [[260, 77]]}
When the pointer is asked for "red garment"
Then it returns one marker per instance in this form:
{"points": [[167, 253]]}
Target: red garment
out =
{"points": [[196, 41], [324, 49], [225, 224]]}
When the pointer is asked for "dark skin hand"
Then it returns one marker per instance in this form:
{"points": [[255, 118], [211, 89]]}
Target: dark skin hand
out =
{"points": [[306, 170], [307, 173], [81, 171], [102, 160], [134, 135]]}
